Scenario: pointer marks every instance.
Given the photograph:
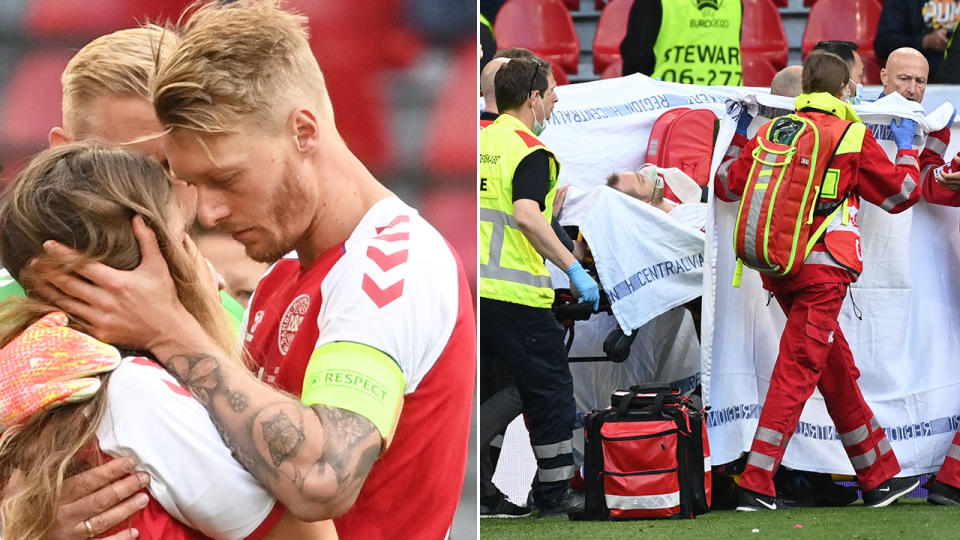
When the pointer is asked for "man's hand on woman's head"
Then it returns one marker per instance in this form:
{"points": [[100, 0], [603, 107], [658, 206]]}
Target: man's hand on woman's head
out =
{"points": [[138, 308]]}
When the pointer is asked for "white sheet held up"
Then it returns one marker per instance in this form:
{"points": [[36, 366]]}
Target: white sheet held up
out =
{"points": [[648, 262]]}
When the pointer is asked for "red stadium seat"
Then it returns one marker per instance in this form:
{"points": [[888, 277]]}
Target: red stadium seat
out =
{"points": [[598, 4], [82, 18], [763, 42], [454, 213], [610, 31], [782, 3], [544, 27], [451, 146], [31, 105], [757, 71], [560, 75], [366, 33], [354, 43], [613, 71], [572, 5], [851, 20]]}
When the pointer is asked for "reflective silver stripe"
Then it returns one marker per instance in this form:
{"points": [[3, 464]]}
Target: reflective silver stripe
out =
{"points": [[924, 172], [953, 452], [557, 474], [874, 425], [936, 145], [856, 436], [643, 502], [905, 190], [547, 451], [722, 174], [761, 461], [768, 435], [821, 257], [500, 221], [515, 276], [864, 460], [753, 219], [907, 160], [884, 446], [733, 151], [706, 464], [497, 441], [493, 270]]}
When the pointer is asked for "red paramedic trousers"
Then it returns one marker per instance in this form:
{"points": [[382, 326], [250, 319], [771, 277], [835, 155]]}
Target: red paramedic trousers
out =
{"points": [[814, 353]]}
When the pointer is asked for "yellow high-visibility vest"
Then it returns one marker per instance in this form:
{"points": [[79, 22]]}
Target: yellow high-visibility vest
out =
{"points": [[510, 269], [699, 42]]}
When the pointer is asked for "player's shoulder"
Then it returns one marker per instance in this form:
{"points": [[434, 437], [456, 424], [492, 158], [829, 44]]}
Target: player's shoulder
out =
{"points": [[393, 231]]}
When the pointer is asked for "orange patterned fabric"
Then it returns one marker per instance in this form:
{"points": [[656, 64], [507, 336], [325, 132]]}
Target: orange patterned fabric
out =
{"points": [[49, 365]]}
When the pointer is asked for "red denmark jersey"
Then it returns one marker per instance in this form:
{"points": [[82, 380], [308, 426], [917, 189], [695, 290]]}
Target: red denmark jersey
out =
{"points": [[395, 285]]}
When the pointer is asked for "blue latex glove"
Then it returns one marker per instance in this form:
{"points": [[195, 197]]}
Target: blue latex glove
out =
{"points": [[743, 122], [903, 132], [588, 288]]}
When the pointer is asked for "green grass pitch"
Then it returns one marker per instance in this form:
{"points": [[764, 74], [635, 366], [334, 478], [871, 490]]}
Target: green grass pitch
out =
{"points": [[909, 518]]}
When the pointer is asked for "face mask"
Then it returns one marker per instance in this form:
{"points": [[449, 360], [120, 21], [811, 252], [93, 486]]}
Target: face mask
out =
{"points": [[857, 97], [538, 126]]}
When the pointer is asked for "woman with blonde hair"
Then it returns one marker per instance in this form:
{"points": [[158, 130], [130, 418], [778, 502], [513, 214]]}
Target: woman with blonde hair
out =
{"points": [[86, 196]]}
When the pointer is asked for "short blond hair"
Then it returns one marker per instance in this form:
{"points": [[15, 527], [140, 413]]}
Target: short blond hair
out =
{"points": [[118, 64], [238, 62]]}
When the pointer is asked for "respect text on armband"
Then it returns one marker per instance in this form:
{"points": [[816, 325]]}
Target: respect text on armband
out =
{"points": [[350, 379]]}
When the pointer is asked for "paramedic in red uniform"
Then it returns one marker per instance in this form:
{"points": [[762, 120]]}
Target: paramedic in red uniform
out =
{"points": [[813, 351], [942, 186], [365, 342]]}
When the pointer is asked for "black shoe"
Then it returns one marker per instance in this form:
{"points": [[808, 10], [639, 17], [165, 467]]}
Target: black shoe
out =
{"points": [[808, 489], [751, 501], [570, 502], [944, 495], [889, 491], [498, 506]]}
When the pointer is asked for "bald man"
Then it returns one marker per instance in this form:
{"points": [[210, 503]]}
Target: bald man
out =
{"points": [[489, 73], [487, 76], [906, 74], [787, 82]]}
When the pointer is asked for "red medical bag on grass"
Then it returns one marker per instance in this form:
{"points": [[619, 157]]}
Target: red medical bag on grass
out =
{"points": [[646, 456]]}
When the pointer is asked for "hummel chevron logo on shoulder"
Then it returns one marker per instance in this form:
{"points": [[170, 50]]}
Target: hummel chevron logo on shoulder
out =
{"points": [[385, 262], [397, 220], [382, 297]]}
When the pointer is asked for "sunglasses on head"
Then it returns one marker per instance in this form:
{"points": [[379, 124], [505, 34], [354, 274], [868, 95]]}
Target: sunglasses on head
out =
{"points": [[536, 70]]}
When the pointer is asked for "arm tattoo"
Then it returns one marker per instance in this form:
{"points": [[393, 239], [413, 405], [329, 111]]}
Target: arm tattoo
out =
{"points": [[282, 437], [238, 401], [352, 445], [268, 436], [199, 373]]}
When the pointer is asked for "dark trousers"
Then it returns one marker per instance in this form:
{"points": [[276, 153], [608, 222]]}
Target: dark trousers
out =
{"points": [[529, 343]]}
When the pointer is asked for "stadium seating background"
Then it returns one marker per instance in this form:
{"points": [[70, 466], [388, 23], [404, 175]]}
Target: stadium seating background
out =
{"points": [[768, 25], [404, 95]]}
